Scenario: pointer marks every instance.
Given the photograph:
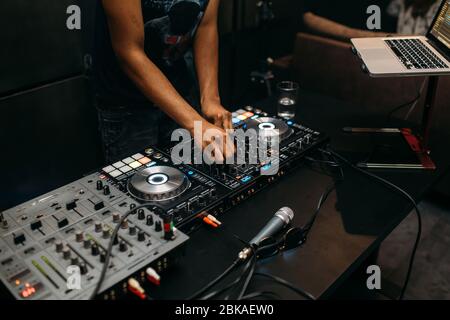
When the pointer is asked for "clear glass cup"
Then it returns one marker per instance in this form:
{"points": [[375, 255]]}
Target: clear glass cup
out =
{"points": [[287, 99]]}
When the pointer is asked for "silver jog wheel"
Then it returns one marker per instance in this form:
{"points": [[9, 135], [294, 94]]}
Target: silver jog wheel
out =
{"points": [[266, 128], [159, 183]]}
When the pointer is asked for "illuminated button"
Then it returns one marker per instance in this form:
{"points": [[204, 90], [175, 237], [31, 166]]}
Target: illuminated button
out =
{"points": [[137, 156], [249, 114], [108, 169], [128, 160], [115, 173], [236, 120], [242, 117], [135, 164], [144, 160], [118, 164], [126, 169], [234, 114], [240, 111]]}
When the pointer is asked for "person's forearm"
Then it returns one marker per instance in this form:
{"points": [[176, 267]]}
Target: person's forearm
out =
{"points": [[336, 30], [206, 53], [157, 88]]}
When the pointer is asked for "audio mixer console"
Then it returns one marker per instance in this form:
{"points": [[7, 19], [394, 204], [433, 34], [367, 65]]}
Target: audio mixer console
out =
{"points": [[44, 240]]}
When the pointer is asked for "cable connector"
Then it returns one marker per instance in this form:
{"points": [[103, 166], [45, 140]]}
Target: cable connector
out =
{"points": [[135, 288], [245, 254], [210, 222], [214, 219], [153, 276]]}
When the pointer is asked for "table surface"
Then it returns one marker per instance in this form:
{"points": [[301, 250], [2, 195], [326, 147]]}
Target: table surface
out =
{"points": [[351, 225]]}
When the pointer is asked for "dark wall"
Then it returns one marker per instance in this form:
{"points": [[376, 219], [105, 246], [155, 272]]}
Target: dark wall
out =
{"points": [[48, 123]]}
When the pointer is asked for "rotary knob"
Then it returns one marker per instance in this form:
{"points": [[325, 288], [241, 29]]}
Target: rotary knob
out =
{"points": [[98, 226], [132, 230], [83, 268], [123, 246], [116, 217], [79, 236], [141, 236], [106, 190], [149, 221], [158, 226], [106, 232], [141, 214], [124, 224], [66, 253], [103, 257], [74, 261], [87, 243], [94, 250], [99, 185], [59, 246]]}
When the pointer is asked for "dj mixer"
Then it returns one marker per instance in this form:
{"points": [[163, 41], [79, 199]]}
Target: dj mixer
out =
{"points": [[43, 239]]}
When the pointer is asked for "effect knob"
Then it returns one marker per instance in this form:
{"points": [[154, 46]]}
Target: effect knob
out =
{"points": [[124, 224], [132, 206], [74, 261], [66, 253], [83, 268], [116, 241], [59, 246], [141, 214], [103, 257], [106, 232], [106, 190], [87, 243], [94, 250], [98, 227], [158, 226], [116, 217], [141, 236], [132, 230], [123, 246], [99, 185], [149, 220], [79, 236]]}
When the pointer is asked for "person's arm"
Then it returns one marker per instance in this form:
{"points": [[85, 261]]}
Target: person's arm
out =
{"points": [[127, 36], [206, 53], [336, 30]]}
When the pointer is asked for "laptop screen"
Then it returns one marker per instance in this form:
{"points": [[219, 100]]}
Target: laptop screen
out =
{"points": [[441, 27]]}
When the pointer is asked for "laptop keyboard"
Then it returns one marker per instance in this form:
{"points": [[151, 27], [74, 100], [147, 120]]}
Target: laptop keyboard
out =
{"points": [[415, 55]]}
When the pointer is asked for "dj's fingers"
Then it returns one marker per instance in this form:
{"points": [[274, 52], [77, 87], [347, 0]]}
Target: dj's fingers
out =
{"points": [[217, 153], [227, 123]]}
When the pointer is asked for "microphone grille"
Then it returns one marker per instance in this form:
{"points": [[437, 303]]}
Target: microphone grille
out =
{"points": [[286, 214]]}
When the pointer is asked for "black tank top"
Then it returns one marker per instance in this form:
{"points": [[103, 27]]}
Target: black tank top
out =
{"points": [[170, 26]]}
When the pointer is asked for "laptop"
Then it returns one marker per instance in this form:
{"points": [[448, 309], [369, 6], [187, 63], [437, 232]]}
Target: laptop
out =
{"points": [[411, 55]]}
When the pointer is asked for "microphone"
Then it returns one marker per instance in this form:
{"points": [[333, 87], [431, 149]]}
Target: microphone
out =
{"points": [[281, 219]]}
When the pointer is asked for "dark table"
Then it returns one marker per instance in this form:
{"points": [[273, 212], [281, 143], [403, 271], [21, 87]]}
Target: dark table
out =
{"points": [[357, 217]]}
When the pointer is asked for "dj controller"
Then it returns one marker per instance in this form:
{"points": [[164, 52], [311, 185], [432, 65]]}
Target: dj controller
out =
{"points": [[54, 246]]}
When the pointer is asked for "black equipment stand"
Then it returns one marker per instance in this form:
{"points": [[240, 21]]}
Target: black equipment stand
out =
{"points": [[419, 143]]}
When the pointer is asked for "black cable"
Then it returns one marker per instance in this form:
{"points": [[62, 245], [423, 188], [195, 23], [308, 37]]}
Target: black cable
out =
{"points": [[322, 200], [250, 265], [286, 284], [402, 106], [216, 280], [254, 295], [110, 246], [248, 279], [404, 194]]}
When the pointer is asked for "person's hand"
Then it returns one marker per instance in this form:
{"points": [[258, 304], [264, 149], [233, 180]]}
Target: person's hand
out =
{"points": [[217, 137], [217, 114]]}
